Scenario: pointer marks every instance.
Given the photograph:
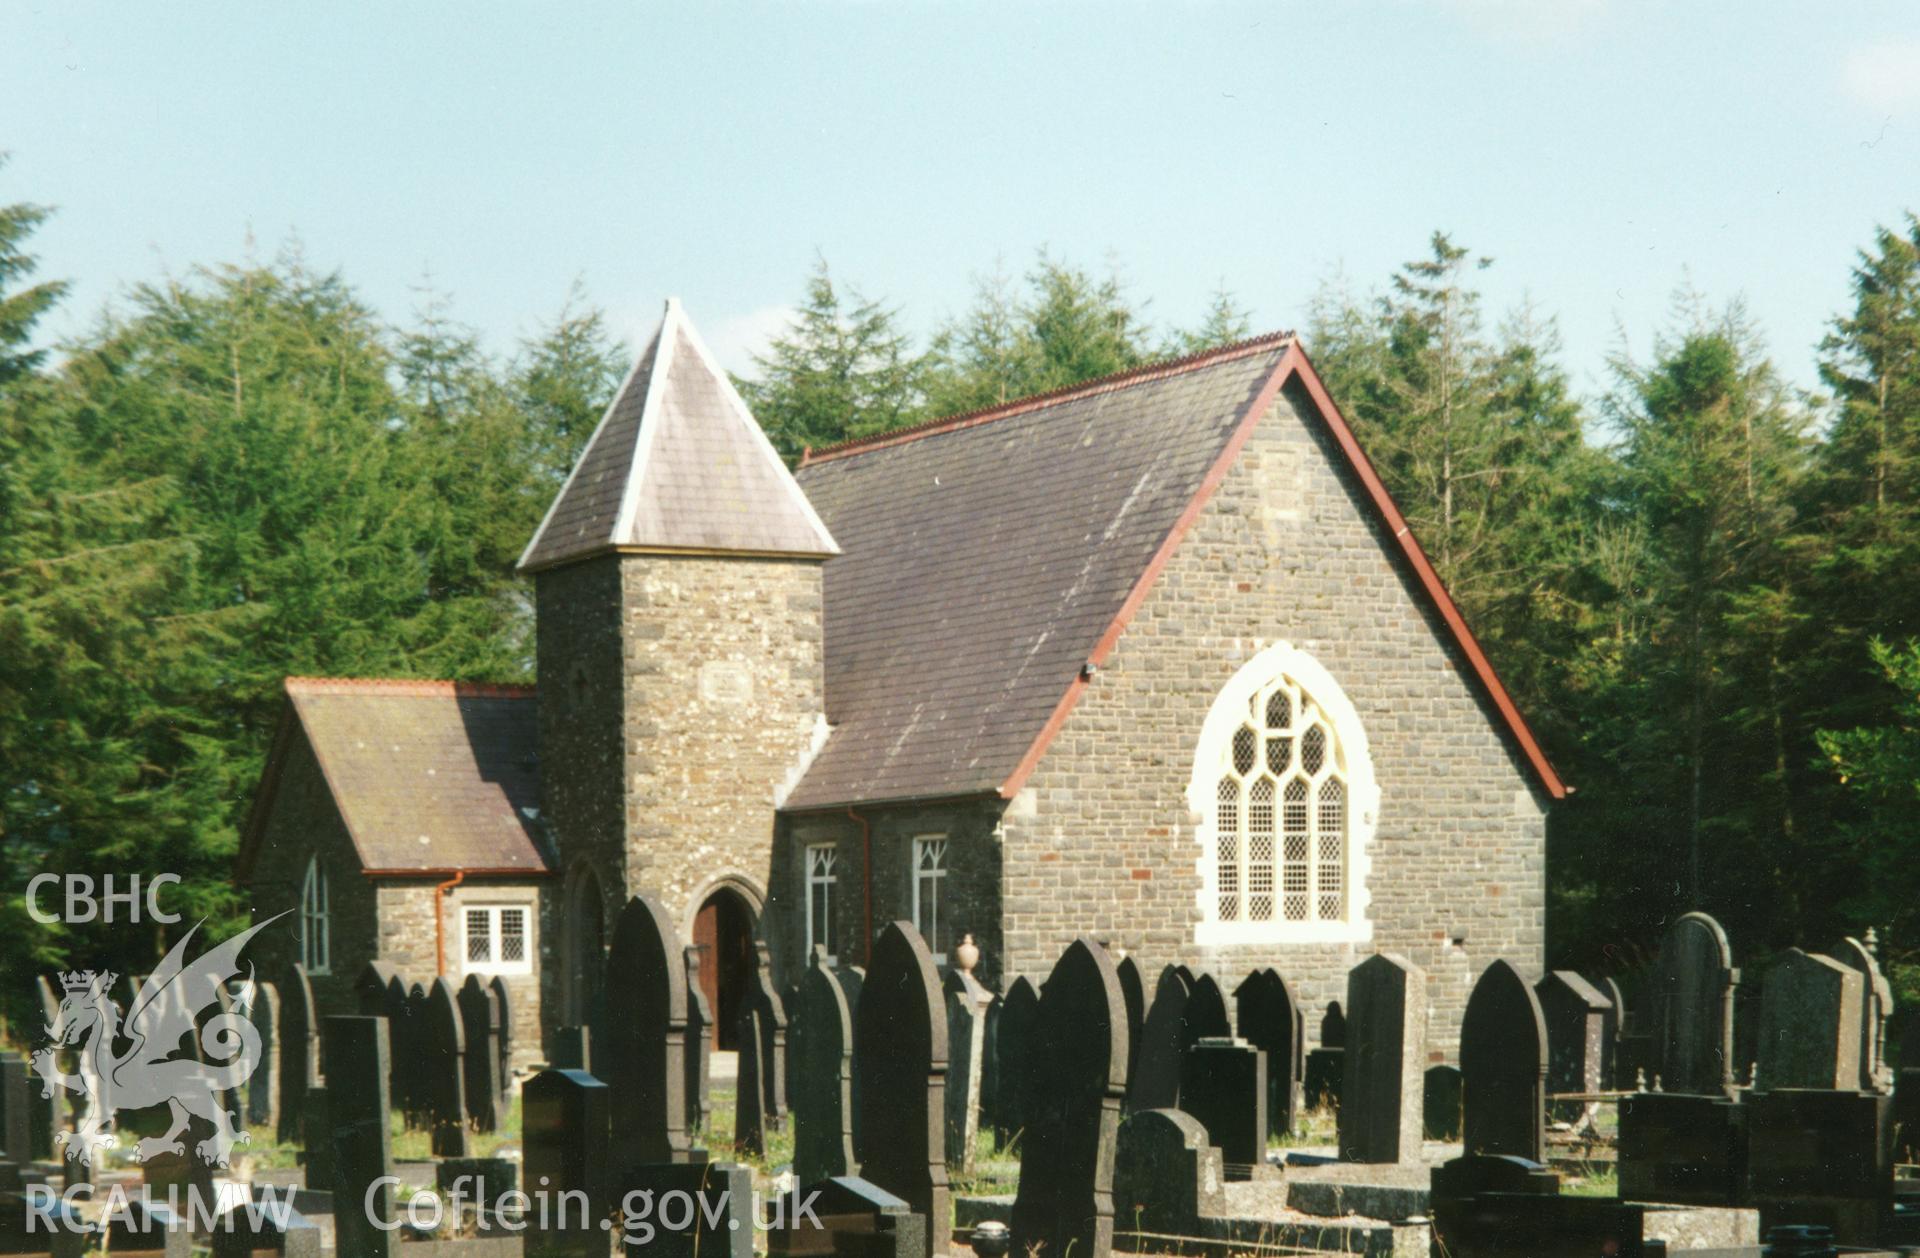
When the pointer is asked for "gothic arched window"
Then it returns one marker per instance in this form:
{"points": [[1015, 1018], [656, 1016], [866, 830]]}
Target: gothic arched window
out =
{"points": [[316, 942], [1285, 785]]}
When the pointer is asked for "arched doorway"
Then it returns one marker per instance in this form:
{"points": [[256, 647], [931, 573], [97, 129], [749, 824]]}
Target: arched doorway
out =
{"points": [[586, 948], [723, 931]]}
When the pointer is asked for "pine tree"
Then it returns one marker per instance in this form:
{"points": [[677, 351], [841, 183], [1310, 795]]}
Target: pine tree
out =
{"points": [[563, 381], [1225, 322], [844, 369]]}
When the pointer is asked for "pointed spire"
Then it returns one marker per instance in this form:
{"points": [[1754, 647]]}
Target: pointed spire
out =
{"points": [[677, 463]]}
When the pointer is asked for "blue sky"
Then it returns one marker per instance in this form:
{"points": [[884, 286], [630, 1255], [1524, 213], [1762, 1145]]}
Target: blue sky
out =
{"points": [[1601, 151]]}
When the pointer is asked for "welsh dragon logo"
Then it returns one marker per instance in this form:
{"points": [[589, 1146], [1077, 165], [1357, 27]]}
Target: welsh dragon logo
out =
{"points": [[156, 1067]]}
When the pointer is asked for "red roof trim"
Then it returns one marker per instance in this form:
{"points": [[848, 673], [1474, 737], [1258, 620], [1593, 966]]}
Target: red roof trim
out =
{"points": [[1020, 406], [1295, 365], [405, 687]]}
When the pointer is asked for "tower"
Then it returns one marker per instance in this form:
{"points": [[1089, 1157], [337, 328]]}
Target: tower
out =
{"points": [[677, 581]]}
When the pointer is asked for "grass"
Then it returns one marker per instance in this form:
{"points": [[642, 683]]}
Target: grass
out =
{"points": [[1593, 1181], [1311, 1128]]}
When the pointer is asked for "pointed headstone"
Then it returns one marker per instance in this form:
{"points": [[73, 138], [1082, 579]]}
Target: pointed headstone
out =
{"points": [[1692, 1006], [1811, 1009], [1268, 1016], [370, 989], [1016, 1041], [299, 1048], [1876, 993], [1133, 989], [444, 1071], [1065, 1202], [263, 1085], [1156, 1083], [1503, 1067], [900, 1041], [1325, 1071], [677, 463], [1206, 1012], [1385, 1057], [481, 1071], [503, 1033], [647, 1037], [699, 1046], [1615, 1071], [821, 1054]]}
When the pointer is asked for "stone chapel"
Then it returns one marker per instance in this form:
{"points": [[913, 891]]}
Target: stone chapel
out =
{"points": [[1153, 658]]}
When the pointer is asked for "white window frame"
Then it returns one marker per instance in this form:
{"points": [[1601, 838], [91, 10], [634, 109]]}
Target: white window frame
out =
{"points": [[928, 885], [316, 924], [494, 912], [1283, 660], [821, 872]]}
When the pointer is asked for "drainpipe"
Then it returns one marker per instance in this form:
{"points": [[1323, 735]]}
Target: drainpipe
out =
{"points": [[866, 878], [440, 922]]}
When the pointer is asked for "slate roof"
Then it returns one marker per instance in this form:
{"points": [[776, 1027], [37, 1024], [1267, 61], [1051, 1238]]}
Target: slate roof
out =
{"points": [[677, 464], [983, 561], [429, 776], [991, 558]]}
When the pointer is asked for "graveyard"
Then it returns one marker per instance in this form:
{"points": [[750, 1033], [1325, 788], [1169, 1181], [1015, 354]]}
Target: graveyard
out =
{"points": [[1100, 1108]]}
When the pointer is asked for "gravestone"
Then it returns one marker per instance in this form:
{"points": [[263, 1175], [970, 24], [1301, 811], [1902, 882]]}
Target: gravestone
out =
{"points": [[1133, 989], [1824, 1157], [316, 1139], [444, 1071], [481, 1069], [1681, 1149], [646, 1045], [1876, 1072], [1503, 1067], [848, 1216], [699, 1095], [572, 1049], [299, 1048], [900, 1046], [1386, 1034], [1223, 1084], [263, 1085], [1616, 1072], [763, 1038], [503, 1034], [564, 1116], [1079, 1082], [966, 1002], [1576, 1014], [370, 989], [1441, 1100], [1692, 1007], [1167, 1176], [1156, 1081], [239, 1232], [822, 1071], [359, 1116], [414, 1069], [712, 1211], [1016, 1031], [400, 1039], [1325, 1071], [16, 1112], [1207, 1011], [750, 1119], [1811, 1011], [1269, 1017]]}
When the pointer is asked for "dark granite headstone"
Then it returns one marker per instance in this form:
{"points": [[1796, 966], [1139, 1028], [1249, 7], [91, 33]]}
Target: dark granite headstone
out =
{"points": [[900, 1047], [152, 1228], [16, 1112], [699, 1051], [239, 1232], [263, 1085], [1076, 1089], [1503, 1067], [1441, 1102], [1825, 1158], [1576, 1015], [316, 1139], [1268, 1016], [1133, 989], [569, 1170], [481, 1071], [821, 1057], [1223, 1084], [1016, 1030], [370, 989], [763, 1004], [647, 1038], [750, 1119], [572, 1049], [1386, 1053], [1156, 1078], [847, 1217], [299, 1048], [400, 1038], [1207, 1011], [1333, 1026], [967, 1003], [1876, 1072], [700, 1210], [1685, 1150], [503, 1034], [1325, 1070], [1811, 1011], [1692, 1009], [1616, 1072], [1166, 1178], [444, 1071], [359, 1115]]}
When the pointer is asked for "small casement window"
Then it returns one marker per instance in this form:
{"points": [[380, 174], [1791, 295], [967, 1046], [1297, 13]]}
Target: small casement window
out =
{"points": [[1285, 783], [316, 951], [497, 940], [929, 872], [822, 858]]}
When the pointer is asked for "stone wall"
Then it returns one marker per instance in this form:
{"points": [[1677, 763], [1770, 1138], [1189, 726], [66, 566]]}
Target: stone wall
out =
{"points": [[1101, 840], [407, 942]]}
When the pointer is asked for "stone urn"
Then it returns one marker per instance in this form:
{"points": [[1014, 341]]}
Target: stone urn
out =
{"points": [[967, 954]]}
